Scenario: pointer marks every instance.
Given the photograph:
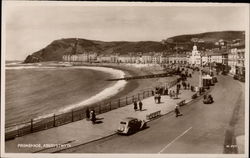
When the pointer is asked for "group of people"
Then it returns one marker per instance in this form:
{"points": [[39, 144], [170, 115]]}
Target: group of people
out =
{"points": [[185, 85], [135, 105], [158, 93], [157, 98]]}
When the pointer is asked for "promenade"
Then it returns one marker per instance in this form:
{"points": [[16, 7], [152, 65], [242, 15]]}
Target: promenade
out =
{"points": [[84, 131]]}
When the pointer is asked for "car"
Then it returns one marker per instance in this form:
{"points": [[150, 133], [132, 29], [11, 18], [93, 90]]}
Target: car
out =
{"points": [[214, 79], [131, 125], [208, 99], [236, 77], [241, 78]]}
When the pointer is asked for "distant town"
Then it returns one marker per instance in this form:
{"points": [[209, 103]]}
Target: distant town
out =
{"points": [[228, 55]]}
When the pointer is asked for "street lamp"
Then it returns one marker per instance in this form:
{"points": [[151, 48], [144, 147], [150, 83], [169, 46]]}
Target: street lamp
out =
{"points": [[200, 77]]}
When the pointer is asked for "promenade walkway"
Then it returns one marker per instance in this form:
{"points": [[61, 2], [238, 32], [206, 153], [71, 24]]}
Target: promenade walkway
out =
{"points": [[84, 131]]}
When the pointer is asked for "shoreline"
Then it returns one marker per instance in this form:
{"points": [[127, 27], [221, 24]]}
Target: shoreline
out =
{"points": [[136, 86], [118, 89], [111, 90]]}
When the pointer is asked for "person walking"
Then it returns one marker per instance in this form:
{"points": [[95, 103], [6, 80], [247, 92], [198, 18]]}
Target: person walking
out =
{"points": [[159, 99], [135, 105], [177, 90], [188, 85], [177, 111], [92, 116], [87, 112], [156, 97], [173, 94], [140, 105]]}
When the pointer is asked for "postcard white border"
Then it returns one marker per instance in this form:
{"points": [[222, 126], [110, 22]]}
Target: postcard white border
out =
{"points": [[77, 3]]}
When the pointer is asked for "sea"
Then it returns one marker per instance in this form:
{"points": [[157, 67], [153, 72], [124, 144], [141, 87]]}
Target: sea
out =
{"points": [[35, 92]]}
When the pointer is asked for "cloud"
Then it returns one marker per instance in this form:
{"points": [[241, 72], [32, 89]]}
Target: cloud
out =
{"points": [[30, 28]]}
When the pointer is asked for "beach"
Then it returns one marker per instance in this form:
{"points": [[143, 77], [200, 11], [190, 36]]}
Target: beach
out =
{"points": [[59, 98], [35, 92]]}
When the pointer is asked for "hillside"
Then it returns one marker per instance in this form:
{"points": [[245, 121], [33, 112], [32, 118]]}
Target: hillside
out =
{"points": [[55, 50], [209, 38]]}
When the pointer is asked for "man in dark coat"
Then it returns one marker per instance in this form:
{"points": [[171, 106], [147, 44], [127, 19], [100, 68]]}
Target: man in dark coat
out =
{"points": [[135, 105], [87, 113], [159, 99], [92, 116], [140, 105]]}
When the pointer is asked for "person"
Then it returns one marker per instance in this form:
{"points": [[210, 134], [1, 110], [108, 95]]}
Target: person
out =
{"points": [[188, 85], [135, 105], [178, 86], [173, 93], [177, 111], [205, 97], [166, 91], [170, 93], [140, 105], [92, 116], [87, 113], [155, 97], [159, 98], [192, 88], [177, 90]]}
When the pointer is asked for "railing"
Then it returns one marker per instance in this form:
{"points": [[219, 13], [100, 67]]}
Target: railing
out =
{"points": [[35, 125]]}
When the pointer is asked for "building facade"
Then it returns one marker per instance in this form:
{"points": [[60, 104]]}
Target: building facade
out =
{"points": [[195, 58]]}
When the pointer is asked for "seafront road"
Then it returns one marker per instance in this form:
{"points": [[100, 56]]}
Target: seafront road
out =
{"points": [[201, 129]]}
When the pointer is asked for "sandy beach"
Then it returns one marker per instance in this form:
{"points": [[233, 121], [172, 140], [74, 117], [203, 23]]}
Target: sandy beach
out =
{"points": [[43, 91], [114, 90]]}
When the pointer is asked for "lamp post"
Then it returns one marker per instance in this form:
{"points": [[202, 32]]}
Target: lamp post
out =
{"points": [[200, 77]]}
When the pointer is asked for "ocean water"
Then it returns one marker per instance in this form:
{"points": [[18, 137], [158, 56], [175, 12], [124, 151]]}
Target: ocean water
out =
{"points": [[36, 92]]}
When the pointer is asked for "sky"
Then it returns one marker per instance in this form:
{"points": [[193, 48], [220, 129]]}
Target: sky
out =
{"points": [[29, 28]]}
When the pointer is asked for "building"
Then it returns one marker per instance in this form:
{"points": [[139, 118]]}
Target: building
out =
{"points": [[232, 60], [178, 59], [104, 58], [195, 58], [84, 57], [236, 57], [215, 58], [125, 59], [164, 59], [156, 59], [146, 58]]}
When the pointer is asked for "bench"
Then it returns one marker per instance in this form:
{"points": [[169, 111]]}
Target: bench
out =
{"points": [[181, 103], [153, 115]]}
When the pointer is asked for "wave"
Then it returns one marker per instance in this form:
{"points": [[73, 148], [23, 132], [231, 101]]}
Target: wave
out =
{"points": [[108, 92]]}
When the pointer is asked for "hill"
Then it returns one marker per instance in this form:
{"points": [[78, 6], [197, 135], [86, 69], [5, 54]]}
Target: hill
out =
{"points": [[55, 50], [208, 38]]}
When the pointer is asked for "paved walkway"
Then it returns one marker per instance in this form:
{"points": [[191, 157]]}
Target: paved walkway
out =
{"points": [[84, 131]]}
